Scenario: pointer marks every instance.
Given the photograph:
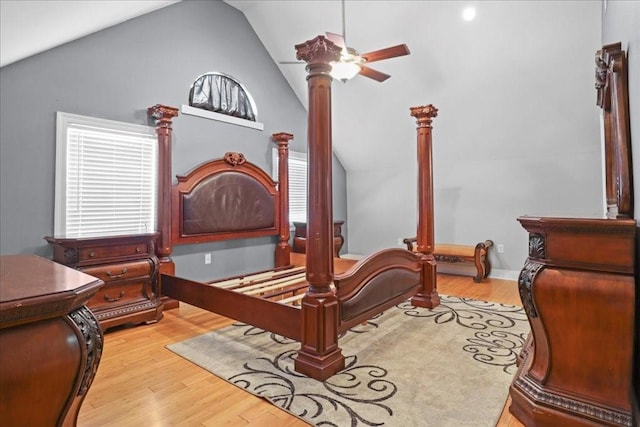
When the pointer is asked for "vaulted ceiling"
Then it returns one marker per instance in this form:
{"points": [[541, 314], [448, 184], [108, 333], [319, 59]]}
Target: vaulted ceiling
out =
{"points": [[450, 57]]}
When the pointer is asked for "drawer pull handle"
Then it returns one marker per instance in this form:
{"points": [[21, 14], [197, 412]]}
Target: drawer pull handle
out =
{"points": [[117, 275], [118, 298], [138, 250], [92, 254]]}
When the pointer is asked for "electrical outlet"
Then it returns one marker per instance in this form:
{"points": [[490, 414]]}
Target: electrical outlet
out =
{"points": [[207, 258], [500, 249]]}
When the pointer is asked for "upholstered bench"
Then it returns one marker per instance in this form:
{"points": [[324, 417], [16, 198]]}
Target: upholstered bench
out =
{"points": [[450, 253]]}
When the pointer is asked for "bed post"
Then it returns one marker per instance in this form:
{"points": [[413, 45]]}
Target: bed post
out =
{"points": [[162, 115], [319, 356], [283, 249], [427, 296]]}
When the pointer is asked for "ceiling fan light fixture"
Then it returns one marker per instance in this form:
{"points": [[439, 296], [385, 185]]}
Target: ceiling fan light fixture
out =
{"points": [[344, 71]]}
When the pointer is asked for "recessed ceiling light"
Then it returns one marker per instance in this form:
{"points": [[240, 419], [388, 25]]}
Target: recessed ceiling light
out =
{"points": [[469, 13]]}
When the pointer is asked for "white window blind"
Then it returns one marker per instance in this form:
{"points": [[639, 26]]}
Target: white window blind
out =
{"points": [[297, 184], [105, 177]]}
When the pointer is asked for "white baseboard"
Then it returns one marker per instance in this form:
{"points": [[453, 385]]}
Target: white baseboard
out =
{"points": [[351, 256], [469, 270], [504, 274]]}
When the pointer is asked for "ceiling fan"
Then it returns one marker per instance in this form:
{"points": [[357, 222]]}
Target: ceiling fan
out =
{"points": [[352, 63]]}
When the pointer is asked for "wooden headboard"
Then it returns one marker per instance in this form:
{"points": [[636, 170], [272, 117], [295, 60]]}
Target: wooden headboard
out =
{"points": [[228, 198], [223, 199]]}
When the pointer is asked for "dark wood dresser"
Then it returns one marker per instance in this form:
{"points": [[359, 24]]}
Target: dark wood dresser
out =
{"points": [[129, 268], [577, 288], [50, 343], [300, 238]]}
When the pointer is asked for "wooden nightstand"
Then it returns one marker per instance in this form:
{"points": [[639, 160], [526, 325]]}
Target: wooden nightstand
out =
{"points": [[129, 268], [300, 238]]}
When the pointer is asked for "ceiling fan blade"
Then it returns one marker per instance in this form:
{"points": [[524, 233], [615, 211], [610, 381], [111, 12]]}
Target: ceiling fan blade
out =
{"points": [[373, 74], [336, 39], [390, 52]]}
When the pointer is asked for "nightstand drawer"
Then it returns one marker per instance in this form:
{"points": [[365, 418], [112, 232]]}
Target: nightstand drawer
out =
{"points": [[119, 293], [107, 252], [121, 271]]}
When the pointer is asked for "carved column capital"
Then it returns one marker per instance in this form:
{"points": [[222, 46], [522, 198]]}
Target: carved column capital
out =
{"points": [[282, 139], [424, 114], [162, 114], [318, 53]]}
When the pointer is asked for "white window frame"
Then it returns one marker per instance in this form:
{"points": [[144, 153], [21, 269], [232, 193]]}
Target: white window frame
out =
{"points": [[113, 141], [297, 184]]}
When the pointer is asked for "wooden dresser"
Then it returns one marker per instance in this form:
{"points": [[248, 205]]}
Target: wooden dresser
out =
{"points": [[300, 238], [50, 343], [129, 268], [577, 288]]}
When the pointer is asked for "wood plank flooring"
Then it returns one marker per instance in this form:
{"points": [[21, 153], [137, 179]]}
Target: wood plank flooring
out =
{"points": [[141, 383]]}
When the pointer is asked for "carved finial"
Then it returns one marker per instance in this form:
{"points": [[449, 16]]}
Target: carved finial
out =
{"points": [[318, 54], [282, 139], [234, 159], [424, 114]]}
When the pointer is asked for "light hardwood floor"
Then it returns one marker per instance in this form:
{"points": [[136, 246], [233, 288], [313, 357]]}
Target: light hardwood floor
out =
{"points": [[141, 383]]}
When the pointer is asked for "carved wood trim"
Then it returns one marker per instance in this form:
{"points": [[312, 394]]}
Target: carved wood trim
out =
{"points": [[536, 246], [88, 326], [525, 283], [566, 404]]}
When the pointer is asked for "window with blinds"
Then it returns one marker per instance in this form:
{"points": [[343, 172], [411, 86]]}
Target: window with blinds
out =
{"points": [[105, 177], [297, 184]]}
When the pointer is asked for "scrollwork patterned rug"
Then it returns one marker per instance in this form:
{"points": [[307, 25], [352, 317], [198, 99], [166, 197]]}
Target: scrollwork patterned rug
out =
{"points": [[450, 366]]}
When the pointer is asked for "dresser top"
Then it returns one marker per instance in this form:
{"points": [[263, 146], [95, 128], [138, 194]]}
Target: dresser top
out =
{"points": [[33, 288]]}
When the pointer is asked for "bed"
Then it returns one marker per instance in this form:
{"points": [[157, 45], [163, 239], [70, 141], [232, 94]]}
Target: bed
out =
{"points": [[230, 198]]}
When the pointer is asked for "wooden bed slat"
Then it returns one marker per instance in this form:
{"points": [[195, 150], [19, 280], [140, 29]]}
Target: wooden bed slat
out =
{"points": [[267, 275], [292, 299], [275, 286]]}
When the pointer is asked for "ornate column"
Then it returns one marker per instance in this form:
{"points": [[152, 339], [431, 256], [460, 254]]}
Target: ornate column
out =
{"points": [[163, 114], [428, 296], [319, 357], [283, 249]]}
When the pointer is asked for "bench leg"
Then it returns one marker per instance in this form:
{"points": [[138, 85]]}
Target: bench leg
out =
{"points": [[479, 269]]}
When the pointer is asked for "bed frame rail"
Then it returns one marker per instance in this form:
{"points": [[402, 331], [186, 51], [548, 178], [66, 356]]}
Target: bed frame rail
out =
{"points": [[278, 318]]}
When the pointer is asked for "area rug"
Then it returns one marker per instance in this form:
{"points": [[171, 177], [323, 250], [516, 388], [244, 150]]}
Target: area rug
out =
{"points": [[448, 366]]}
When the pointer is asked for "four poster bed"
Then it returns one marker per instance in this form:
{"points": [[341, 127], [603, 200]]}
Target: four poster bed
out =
{"points": [[231, 198]]}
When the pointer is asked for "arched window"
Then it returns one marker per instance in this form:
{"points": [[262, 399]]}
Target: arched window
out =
{"points": [[223, 94]]}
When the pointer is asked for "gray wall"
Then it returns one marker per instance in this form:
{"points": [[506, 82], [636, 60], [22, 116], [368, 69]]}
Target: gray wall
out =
{"points": [[621, 23], [116, 74], [517, 133]]}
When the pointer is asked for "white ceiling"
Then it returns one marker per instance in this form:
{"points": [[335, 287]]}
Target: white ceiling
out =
{"points": [[28, 27]]}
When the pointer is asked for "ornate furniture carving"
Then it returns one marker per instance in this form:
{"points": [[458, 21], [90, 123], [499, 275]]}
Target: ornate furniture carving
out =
{"points": [[300, 238], [320, 304], [51, 343], [453, 254], [129, 268], [577, 288]]}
